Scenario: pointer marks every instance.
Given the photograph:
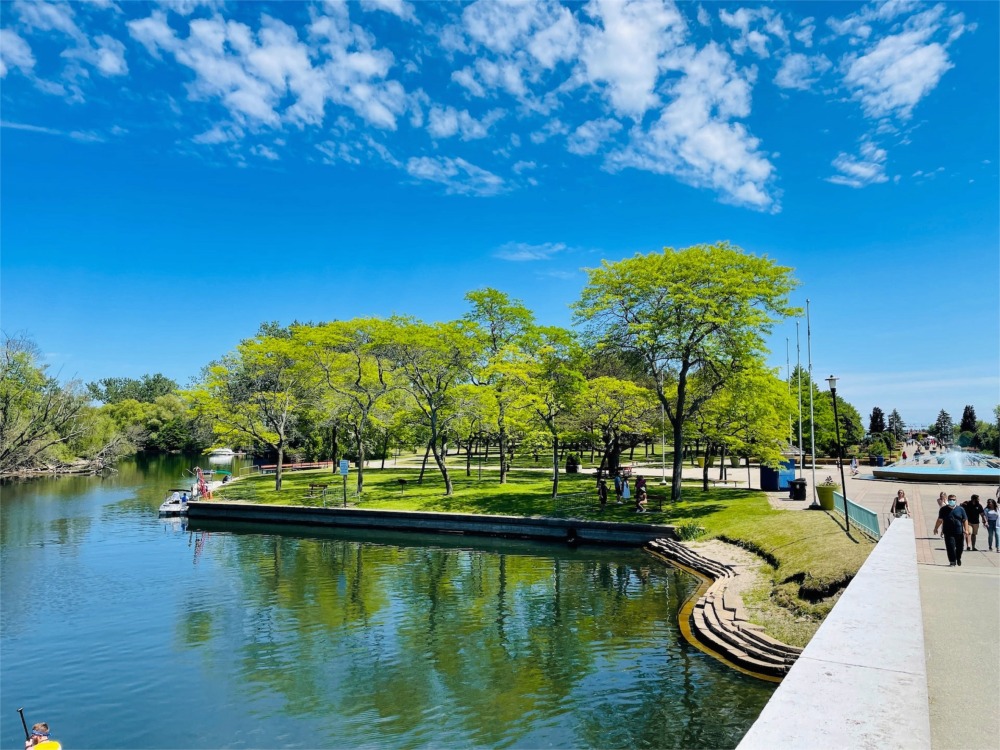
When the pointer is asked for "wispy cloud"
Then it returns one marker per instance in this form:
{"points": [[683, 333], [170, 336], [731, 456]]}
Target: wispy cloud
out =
{"points": [[457, 175], [867, 168], [76, 135], [522, 251]]}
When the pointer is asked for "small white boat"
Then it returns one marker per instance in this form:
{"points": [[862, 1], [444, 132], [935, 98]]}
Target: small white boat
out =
{"points": [[175, 504], [222, 453]]}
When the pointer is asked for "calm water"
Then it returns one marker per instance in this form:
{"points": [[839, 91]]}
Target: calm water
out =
{"points": [[126, 631]]}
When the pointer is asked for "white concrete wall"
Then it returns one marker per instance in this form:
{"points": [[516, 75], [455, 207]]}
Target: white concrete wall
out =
{"points": [[861, 682]]}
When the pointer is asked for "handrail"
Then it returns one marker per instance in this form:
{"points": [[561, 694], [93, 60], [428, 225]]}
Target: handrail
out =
{"points": [[860, 516]]}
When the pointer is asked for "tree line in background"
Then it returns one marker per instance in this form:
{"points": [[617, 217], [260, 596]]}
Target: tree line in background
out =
{"points": [[670, 341]]}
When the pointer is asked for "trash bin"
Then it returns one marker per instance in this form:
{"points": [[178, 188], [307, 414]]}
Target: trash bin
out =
{"points": [[797, 489]]}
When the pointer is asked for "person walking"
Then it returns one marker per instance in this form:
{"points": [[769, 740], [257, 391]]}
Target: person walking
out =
{"points": [[942, 500], [974, 510], [602, 492], [854, 466], [951, 521], [618, 487], [640, 494], [991, 515], [899, 505]]}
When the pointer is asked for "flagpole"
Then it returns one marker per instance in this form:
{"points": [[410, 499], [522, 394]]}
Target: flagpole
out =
{"points": [[812, 418], [798, 367]]}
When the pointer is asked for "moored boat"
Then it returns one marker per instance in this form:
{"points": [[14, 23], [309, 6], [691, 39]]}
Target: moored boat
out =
{"points": [[175, 503]]}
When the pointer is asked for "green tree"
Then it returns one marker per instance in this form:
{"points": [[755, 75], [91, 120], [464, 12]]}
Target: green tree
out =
{"points": [[703, 311], [434, 359], [353, 360], [256, 393], [613, 408], [36, 412], [501, 327], [943, 428], [146, 390], [553, 379], [969, 420], [876, 422], [896, 425]]}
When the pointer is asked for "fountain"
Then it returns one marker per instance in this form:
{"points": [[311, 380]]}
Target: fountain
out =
{"points": [[954, 466]]}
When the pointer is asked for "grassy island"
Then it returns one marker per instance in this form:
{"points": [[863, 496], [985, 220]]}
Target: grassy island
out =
{"points": [[808, 557]]}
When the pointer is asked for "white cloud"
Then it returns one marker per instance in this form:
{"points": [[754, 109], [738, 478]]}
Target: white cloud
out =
{"points": [[271, 77], [14, 53], [695, 138], [105, 53], [807, 28], [457, 175], [399, 8], [766, 23], [800, 71], [893, 73], [466, 78], [589, 137], [445, 122], [867, 168], [264, 152], [522, 251], [623, 55], [523, 166], [76, 135]]}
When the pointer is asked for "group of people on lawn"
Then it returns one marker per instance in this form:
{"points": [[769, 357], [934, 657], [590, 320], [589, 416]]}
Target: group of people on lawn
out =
{"points": [[623, 491]]}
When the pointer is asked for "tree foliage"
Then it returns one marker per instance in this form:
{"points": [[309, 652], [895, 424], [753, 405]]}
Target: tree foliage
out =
{"points": [[146, 389], [969, 421], [699, 312], [876, 422]]}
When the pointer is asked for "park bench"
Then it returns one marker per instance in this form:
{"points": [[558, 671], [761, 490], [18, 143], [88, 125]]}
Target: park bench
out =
{"points": [[317, 490], [717, 482]]}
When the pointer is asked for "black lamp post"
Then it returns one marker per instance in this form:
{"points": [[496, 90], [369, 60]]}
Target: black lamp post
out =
{"points": [[840, 451]]}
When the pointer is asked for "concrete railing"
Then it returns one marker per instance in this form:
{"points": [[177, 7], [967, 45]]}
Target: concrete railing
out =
{"points": [[862, 680]]}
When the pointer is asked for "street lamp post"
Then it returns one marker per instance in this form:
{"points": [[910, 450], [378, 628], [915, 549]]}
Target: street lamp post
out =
{"points": [[840, 450]]}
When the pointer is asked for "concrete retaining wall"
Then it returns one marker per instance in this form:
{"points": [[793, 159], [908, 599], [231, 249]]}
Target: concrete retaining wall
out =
{"points": [[547, 529], [861, 682]]}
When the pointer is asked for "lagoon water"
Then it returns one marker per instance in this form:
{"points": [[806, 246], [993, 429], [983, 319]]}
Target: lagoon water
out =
{"points": [[123, 630]]}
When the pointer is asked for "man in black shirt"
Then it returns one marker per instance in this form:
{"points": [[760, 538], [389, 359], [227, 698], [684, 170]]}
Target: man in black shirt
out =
{"points": [[951, 520]]}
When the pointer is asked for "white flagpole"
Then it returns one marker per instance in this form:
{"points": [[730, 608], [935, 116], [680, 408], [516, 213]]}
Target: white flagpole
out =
{"points": [[798, 366], [812, 418]]}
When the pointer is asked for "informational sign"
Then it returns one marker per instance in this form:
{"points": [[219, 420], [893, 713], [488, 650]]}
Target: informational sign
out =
{"points": [[344, 465]]}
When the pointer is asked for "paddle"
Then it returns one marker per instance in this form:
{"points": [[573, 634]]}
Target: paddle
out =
{"points": [[24, 724]]}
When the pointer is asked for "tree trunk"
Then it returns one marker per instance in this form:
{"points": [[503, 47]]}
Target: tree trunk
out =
{"points": [[277, 471], [555, 465], [385, 448], [423, 466], [361, 456], [333, 449], [439, 460], [468, 457], [502, 427], [704, 470]]}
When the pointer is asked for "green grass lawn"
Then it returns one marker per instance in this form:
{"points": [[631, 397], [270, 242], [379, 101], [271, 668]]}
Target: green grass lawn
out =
{"points": [[810, 557]]}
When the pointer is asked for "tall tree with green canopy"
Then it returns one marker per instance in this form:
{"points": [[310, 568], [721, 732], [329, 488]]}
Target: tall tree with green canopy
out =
{"points": [[943, 428], [876, 422], [36, 412], [256, 392], [434, 359], [501, 326], [354, 362], [969, 420], [896, 425], [612, 408], [552, 380], [702, 311]]}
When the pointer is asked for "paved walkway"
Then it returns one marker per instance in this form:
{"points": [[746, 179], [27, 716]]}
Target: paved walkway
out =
{"points": [[961, 608]]}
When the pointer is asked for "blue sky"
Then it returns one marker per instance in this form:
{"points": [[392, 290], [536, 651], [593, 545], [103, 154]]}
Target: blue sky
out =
{"points": [[175, 173]]}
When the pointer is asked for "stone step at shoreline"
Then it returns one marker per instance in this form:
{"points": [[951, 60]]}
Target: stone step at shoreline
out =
{"points": [[719, 621]]}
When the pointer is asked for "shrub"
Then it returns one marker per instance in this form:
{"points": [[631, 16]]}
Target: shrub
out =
{"points": [[689, 531]]}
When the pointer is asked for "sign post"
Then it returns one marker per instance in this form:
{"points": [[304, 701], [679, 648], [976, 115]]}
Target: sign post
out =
{"points": [[344, 467]]}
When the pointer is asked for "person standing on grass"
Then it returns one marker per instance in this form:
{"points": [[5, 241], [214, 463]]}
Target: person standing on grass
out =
{"points": [[991, 516], [951, 521], [974, 510], [602, 492], [618, 487]]}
